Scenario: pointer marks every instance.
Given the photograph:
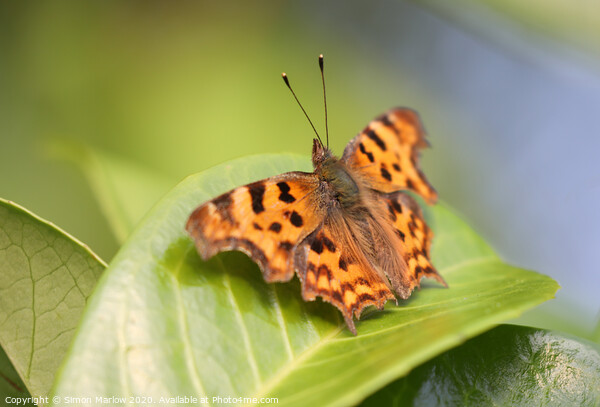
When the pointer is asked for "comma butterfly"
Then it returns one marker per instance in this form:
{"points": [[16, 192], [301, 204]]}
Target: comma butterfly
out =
{"points": [[350, 234]]}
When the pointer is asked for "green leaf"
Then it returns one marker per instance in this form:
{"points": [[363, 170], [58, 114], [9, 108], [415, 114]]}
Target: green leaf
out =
{"points": [[507, 366], [173, 325], [125, 190], [11, 385], [45, 279]]}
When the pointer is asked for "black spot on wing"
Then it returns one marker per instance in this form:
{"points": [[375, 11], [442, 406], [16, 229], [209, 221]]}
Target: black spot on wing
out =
{"points": [[396, 167], [275, 227], [316, 245], [296, 219], [324, 270], [385, 173], [410, 184], [347, 287], [373, 136], [223, 201], [342, 264], [385, 120], [369, 155], [256, 226], [401, 235], [328, 244], [397, 207], [257, 193], [392, 212], [411, 228], [364, 297], [285, 195], [222, 204], [337, 296], [287, 246]]}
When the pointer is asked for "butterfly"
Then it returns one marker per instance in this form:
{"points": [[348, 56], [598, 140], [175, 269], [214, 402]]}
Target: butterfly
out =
{"points": [[347, 229]]}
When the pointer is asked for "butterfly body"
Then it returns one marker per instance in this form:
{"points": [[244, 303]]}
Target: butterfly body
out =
{"points": [[348, 232], [339, 186]]}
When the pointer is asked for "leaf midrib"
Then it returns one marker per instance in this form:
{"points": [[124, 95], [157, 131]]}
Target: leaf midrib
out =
{"points": [[281, 321], [244, 330]]}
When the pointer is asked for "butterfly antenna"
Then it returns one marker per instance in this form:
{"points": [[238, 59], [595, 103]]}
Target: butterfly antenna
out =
{"points": [[324, 98], [287, 82]]}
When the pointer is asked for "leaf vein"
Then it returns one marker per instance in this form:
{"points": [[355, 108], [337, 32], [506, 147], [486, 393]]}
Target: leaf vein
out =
{"points": [[244, 330]]}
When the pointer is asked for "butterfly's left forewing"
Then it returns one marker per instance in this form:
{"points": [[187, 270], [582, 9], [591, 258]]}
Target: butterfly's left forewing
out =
{"points": [[266, 220]]}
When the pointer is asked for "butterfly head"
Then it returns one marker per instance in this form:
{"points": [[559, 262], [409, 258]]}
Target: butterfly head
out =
{"points": [[320, 154], [341, 186]]}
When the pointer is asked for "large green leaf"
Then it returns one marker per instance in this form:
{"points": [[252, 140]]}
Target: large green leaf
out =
{"points": [[163, 323], [45, 279], [507, 366], [11, 385]]}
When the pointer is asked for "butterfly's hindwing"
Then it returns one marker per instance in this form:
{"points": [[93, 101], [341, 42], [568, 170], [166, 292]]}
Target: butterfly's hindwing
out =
{"points": [[333, 268], [414, 235]]}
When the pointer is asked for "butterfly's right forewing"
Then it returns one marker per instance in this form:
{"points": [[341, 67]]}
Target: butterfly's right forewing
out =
{"points": [[386, 152]]}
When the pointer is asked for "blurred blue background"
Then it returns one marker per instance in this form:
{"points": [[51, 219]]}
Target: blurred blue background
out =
{"points": [[509, 92]]}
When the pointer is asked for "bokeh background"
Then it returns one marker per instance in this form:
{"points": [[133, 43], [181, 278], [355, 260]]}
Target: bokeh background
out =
{"points": [[509, 92]]}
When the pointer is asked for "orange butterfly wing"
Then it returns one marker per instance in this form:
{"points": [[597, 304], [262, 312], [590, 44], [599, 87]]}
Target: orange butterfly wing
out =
{"points": [[333, 263], [330, 267], [415, 236], [266, 220], [387, 150]]}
